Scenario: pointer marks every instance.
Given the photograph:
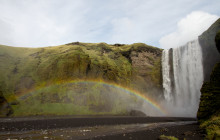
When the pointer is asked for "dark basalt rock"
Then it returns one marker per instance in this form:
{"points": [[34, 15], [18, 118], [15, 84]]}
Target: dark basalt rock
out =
{"points": [[210, 98], [5, 108], [137, 113], [210, 53], [127, 54], [217, 41], [117, 44], [74, 43]]}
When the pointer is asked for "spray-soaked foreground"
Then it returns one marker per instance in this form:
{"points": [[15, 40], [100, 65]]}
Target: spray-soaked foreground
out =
{"points": [[82, 127]]}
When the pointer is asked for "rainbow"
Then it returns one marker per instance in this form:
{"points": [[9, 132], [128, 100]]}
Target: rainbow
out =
{"points": [[125, 90]]}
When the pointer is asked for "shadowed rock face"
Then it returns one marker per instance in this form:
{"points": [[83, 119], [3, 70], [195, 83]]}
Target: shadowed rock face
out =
{"points": [[210, 98], [137, 113], [217, 41], [5, 108], [210, 53]]}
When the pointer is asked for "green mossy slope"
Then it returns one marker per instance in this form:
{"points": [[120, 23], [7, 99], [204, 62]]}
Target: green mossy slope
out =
{"points": [[210, 98], [24, 70]]}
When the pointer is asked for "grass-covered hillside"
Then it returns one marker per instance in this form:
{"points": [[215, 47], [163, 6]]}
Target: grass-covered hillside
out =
{"points": [[45, 74]]}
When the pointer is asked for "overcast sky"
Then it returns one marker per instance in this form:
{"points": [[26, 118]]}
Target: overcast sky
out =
{"points": [[161, 23]]}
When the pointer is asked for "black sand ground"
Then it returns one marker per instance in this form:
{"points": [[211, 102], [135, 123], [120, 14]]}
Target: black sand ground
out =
{"points": [[187, 132], [18, 124], [65, 125]]}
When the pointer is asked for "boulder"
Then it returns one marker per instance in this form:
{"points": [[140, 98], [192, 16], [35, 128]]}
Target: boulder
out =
{"points": [[137, 113]]}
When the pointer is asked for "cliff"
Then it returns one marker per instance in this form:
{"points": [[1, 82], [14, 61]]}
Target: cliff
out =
{"points": [[210, 98], [217, 40], [209, 111], [45, 74], [209, 50]]}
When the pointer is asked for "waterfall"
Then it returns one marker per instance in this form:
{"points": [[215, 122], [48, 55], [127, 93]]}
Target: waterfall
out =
{"points": [[166, 75], [187, 77]]}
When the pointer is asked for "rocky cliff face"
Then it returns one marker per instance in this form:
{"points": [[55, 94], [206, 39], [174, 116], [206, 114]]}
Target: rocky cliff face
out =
{"points": [[210, 98], [24, 70], [217, 41], [5, 108], [210, 53], [146, 69], [209, 111]]}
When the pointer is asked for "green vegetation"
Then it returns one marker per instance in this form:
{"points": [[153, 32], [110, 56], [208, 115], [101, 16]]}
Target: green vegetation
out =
{"points": [[155, 73], [209, 111], [167, 137], [210, 98], [26, 70], [84, 98], [212, 127]]}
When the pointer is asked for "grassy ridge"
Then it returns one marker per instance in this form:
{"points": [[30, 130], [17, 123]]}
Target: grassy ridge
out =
{"points": [[23, 70]]}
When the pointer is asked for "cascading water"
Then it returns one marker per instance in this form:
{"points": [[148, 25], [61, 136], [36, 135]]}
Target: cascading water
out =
{"points": [[187, 76], [166, 75]]}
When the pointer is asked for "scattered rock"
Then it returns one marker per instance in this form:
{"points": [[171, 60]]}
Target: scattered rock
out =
{"points": [[85, 130], [188, 133], [164, 130], [117, 44], [5, 108], [137, 113], [74, 43]]}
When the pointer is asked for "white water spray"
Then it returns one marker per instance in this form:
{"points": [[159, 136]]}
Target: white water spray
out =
{"points": [[187, 76], [166, 75]]}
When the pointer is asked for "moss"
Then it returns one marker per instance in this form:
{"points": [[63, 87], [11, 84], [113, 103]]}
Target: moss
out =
{"points": [[156, 73], [139, 47], [24, 70], [209, 111], [74, 99], [163, 137], [212, 126], [210, 98]]}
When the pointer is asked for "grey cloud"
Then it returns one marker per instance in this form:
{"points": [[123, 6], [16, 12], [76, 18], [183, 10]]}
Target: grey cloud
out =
{"points": [[53, 22]]}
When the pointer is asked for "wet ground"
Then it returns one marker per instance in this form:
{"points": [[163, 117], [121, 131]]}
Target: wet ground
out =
{"points": [[98, 128]]}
